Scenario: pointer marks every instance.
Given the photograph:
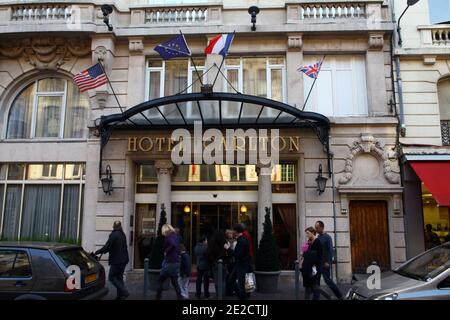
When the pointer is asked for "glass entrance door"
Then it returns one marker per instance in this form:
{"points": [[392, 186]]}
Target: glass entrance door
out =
{"points": [[194, 220]]}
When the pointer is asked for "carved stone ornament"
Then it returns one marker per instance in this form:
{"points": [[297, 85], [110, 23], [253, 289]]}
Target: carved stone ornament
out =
{"points": [[99, 53], [369, 145], [136, 45], [376, 41], [164, 166], [45, 52], [295, 41]]}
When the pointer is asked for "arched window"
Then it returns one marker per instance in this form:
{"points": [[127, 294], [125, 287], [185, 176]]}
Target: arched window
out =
{"points": [[49, 108], [444, 109]]}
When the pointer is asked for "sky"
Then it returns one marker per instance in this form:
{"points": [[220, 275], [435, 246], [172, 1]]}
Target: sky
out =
{"points": [[439, 10]]}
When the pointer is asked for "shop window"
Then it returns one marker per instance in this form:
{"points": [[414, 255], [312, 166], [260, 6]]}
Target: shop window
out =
{"points": [[340, 89], [49, 108], [284, 178], [39, 204], [436, 220], [444, 109]]}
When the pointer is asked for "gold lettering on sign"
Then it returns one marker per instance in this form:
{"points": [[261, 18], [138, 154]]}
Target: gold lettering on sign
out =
{"points": [[132, 144], [160, 141], [294, 144], [149, 145]]}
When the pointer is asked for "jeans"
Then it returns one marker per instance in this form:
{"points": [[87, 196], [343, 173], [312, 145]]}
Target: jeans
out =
{"points": [[116, 278], [326, 272], [169, 270], [202, 276], [184, 286]]}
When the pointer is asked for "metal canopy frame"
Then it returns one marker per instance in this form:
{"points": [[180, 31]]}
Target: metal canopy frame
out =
{"points": [[318, 122]]}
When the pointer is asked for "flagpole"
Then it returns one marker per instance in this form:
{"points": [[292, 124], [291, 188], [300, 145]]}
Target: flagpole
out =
{"points": [[221, 64], [192, 60], [109, 82], [312, 86]]}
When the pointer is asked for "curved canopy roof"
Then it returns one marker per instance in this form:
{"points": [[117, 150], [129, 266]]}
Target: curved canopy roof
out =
{"points": [[216, 109]]}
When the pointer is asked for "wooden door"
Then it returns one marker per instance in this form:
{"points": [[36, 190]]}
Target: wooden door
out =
{"points": [[369, 235]]}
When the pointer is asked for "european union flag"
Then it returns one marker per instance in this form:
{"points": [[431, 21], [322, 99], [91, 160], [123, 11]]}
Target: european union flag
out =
{"points": [[174, 48]]}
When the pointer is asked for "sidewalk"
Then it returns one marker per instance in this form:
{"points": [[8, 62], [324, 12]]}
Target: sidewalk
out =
{"points": [[286, 291]]}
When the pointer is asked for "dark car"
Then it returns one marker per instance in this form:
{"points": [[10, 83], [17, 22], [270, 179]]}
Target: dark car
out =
{"points": [[39, 271]]}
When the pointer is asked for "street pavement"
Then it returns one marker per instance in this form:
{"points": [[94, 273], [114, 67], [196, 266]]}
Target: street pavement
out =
{"points": [[286, 291]]}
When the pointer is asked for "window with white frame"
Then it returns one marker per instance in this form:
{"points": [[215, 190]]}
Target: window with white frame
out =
{"points": [[41, 201], [340, 89], [259, 76], [48, 108]]}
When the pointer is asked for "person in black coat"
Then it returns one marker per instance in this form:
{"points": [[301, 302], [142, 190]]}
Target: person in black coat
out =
{"points": [[116, 246], [312, 260], [242, 262]]}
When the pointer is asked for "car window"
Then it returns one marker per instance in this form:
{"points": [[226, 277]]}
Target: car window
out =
{"points": [[76, 257], [14, 264], [445, 284]]}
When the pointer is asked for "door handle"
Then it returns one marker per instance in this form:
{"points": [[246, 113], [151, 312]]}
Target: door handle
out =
{"points": [[20, 284]]}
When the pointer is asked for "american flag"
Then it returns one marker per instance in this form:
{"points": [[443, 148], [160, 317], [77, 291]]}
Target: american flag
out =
{"points": [[90, 78], [312, 71]]}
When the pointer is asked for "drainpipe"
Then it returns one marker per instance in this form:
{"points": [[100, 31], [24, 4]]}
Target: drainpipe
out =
{"points": [[334, 216]]}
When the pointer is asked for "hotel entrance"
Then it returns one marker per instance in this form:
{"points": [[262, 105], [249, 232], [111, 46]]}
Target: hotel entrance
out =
{"points": [[197, 219]]}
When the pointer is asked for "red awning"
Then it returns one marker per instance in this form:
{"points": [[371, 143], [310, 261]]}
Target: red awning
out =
{"points": [[436, 177]]}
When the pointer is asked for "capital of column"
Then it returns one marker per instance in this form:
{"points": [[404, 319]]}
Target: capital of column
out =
{"points": [[136, 45], [376, 41], [295, 41], [263, 169], [164, 166]]}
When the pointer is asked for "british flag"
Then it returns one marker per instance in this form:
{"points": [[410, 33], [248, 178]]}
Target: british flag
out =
{"points": [[312, 71]]}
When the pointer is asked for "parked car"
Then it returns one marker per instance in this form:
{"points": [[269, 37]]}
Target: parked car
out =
{"points": [[38, 271], [425, 277]]}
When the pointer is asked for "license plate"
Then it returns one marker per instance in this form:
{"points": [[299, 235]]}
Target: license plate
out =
{"points": [[90, 278]]}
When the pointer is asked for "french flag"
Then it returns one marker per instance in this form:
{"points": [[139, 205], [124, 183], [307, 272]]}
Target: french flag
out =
{"points": [[220, 44]]}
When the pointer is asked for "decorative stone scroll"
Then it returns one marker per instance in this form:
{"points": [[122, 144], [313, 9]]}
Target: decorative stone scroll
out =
{"points": [[45, 52], [369, 145]]}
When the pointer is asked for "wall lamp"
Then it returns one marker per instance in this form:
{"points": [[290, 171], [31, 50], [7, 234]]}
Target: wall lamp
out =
{"points": [[410, 3], [107, 10], [321, 181], [107, 181], [253, 11]]}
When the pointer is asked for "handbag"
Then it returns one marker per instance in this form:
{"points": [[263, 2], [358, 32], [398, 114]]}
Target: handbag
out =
{"points": [[250, 282]]}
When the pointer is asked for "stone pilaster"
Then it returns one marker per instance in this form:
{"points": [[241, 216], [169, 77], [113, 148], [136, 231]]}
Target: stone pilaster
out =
{"points": [[294, 58], [136, 71], [376, 82], [164, 170]]}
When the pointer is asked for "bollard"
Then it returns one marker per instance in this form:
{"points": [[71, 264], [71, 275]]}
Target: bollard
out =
{"points": [[220, 279], [145, 278], [297, 280]]}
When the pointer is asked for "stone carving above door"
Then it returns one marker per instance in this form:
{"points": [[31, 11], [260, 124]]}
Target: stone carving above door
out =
{"points": [[45, 52], [367, 162]]}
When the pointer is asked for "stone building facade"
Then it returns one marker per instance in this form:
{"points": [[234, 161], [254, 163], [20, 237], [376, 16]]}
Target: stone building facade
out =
{"points": [[362, 203]]}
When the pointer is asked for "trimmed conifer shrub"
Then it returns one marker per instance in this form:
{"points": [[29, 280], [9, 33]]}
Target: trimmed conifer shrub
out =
{"points": [[267, 253]]}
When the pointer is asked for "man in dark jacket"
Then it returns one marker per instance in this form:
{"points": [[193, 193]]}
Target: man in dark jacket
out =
{"points": [[327, 260], [202, 268], [118, 258], [242, 262]]}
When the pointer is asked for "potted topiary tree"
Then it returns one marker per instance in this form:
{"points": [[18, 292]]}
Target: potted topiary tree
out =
{"points": [[156, 256], [267, 265]]}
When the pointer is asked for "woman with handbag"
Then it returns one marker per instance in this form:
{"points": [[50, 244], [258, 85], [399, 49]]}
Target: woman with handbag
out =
{"points": [[311, 265]]}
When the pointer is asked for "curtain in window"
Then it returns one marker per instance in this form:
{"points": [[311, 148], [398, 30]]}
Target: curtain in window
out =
{"points": [[19, 120], [255, 77], [75, 125], [69, 224], [41, 207], [48, 116], [287, 214], [12, 212]]}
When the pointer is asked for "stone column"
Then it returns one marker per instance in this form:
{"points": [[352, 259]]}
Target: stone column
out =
{"points": [[376, 80], [264, 195], [164, 170], [294, 59]]}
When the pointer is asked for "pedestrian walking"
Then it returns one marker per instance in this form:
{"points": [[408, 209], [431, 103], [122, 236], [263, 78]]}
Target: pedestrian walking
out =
{"points": [[171, 263], [312, 260], [202, 268], [185, 271], [328, 257], [116, 246], [248, 236], [242, 262]]}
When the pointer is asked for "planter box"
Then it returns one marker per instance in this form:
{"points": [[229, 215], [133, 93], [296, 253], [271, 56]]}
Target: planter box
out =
{"points": [[267, 281]]}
